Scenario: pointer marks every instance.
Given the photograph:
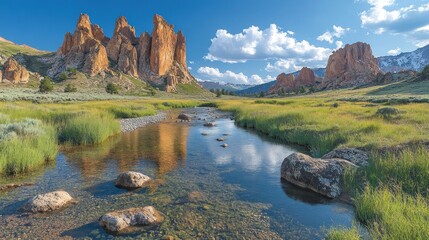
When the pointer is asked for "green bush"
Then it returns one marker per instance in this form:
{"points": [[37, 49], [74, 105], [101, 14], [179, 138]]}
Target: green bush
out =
{"points": [[112, 88], [70, 88], [46, 85], [63, 76], [387, 112], [343, 234], [132, 112], [25, 146]]}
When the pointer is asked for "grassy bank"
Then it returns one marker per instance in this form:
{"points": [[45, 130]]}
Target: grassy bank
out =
{"points": [[391, 194], [26, 144]]}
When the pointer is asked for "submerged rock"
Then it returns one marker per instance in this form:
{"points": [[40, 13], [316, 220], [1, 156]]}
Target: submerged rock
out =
{"points": [[120, 220], [184, 117], [320, 175], [196, 196], [48, 202], [209, 124], [353, 155], [220, 139], [131, 180], [224, 145]]}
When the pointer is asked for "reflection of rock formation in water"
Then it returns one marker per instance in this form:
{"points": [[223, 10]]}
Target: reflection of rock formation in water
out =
{"points": [[164, 144]]}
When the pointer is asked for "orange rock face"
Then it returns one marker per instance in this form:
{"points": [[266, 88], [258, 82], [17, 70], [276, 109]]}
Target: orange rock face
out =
{"points": [[283, 81], [14, 72], [84, 48], [180, 54], [351, 66], [143, 51], [159, 59], [305, 78], [163, 46], [121, 47]]}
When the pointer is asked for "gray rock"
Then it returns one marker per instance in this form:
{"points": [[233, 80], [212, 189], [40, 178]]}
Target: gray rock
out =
{"points": [[224, 145], [320, 175], [356, 156], [220, 139], [120, 220], [184, 117], [209, 124], [131, 180], [48, 202]]}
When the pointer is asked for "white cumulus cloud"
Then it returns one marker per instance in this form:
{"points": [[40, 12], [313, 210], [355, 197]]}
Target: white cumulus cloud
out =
{"points": [[329, 36], [214, 74], [254, 43], [384, 16]]}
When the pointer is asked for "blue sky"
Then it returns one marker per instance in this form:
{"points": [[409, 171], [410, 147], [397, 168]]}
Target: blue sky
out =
{"points": [[236, 41]]}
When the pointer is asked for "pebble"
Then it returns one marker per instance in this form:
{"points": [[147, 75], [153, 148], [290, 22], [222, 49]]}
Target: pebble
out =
{"points": [[131, 124]]}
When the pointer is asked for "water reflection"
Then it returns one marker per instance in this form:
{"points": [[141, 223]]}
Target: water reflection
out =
{"points": [[163, 144]]}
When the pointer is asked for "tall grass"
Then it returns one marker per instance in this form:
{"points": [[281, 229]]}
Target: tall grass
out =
{"points": [[132, 111], [25, 146], [391, 214], [89, 129], [343, 234]]}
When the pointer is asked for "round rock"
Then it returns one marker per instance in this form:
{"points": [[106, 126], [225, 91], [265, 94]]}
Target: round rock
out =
{"points": [[48, 202], [120, 220], [132, 180]]}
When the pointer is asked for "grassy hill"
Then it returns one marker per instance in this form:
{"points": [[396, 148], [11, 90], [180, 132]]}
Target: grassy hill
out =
{"points": [[8, 48]]}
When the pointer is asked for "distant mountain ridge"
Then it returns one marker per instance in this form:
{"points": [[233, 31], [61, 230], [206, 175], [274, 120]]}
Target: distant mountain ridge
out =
{"points": [[227, 86], [415, 60]]}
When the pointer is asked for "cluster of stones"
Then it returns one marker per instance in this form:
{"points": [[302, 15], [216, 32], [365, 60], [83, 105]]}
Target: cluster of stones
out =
{"points": [[113, 221], [159, 59]]}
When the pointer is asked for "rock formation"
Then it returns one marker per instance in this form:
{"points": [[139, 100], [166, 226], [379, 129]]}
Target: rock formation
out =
{"points": [[159, 59], [305, 78], [353, 65], [1, 75], [288, 82], [131, 180], [14, 72], [283, 82], [83, 50]]}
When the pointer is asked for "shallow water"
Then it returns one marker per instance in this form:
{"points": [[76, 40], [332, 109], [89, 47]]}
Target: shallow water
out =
{"points": [[243, 196]]}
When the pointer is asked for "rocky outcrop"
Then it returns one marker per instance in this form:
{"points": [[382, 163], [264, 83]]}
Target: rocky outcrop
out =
{"points": [[284, 83], [305, 78], [121, 48], [120, 220], [1, 75], [48, 202], [83, 50], [163, 46], [351, 66], [319, 175], [288, 82], [159, 59], [15, 72], [132, 180], [353, 155], [143, 51]]}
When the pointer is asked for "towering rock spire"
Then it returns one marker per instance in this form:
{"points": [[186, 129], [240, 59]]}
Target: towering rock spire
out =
{"points": [[351, 66], [163, 46], [83, 49]]}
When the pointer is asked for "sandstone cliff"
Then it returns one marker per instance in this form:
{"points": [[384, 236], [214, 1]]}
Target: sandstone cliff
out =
{"points": [[288, 82], [159, 59], [83, 49], [353, 65], [14, 72]]}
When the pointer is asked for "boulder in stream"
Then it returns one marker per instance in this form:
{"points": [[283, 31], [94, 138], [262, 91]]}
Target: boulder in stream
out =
{"points": [[320, 175], [132, 180], [48, 202], [120, 220]]}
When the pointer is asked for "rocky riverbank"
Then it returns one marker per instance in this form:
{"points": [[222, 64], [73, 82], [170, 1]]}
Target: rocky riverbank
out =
{"points": [[131, 124]]}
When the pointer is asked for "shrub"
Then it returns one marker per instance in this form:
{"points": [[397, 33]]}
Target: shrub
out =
{"points": [[387, 112], [425, 73], [63, 76], [25, 146], [70, 88], [132, 112], [335, 105], [46, 85], [112, 88]]}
